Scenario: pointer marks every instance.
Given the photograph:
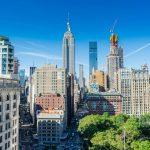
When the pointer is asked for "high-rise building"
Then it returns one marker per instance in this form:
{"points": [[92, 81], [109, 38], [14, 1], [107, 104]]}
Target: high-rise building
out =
{"points": [[68, 48], [99, 77], [47, 79], [9, 114], [114, 59], [32, 70], [81, 76], [6, 56], [93, 62], [16, 65], [70, 97], [133, 84], [22, 77]]}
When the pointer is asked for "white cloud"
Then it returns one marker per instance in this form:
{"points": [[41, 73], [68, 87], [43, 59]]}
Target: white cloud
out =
{"points": [[44, 56]]}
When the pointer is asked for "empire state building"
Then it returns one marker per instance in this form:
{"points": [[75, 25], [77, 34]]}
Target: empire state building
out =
{"points": [[68, 49]]}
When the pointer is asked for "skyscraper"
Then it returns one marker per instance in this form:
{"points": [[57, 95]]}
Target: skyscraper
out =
{"points": [[92, 56], [68, 49], [81, 78], [6, 56], [32, 70], [22, 77], [114, 59]]}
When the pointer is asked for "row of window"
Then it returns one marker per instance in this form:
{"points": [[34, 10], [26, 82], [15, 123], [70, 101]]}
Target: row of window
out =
{"points": [[8, 97]]}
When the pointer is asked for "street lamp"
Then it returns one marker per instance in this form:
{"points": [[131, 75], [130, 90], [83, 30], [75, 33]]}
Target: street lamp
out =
{"points": [[124, 139]]}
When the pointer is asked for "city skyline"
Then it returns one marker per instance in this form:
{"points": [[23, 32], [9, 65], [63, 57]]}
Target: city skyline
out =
{"points": [[74, 74], [43, 37]]}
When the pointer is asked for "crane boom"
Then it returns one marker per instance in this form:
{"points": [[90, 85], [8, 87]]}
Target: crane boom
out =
{"points": [[113, 27]]}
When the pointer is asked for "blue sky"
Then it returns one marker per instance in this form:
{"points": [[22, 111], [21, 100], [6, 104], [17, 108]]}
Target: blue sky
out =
{"points": [[36, 28]]}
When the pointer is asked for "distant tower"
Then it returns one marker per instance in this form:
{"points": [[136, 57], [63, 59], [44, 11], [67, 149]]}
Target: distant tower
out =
{"points": [[22, 77], [6, 56], [32, 70], [114, 59], [16, 65], [93, 64], [68, 49], [81, 76]]}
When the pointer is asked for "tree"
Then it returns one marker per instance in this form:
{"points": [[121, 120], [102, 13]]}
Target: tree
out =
{"points": [[140, 145], [88, 125], [106, 132], [120, 119], [132, 129], [107, 140]]}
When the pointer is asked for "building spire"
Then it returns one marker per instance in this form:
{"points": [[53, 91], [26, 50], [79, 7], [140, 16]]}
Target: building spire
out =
{"points": [[68, 23]]}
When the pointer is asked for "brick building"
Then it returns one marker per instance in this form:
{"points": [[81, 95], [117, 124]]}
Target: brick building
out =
{"points": [[50, 101], [110, 102]]}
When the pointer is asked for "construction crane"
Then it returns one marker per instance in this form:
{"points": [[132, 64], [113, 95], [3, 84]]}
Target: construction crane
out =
{"points": [[113, 27]]}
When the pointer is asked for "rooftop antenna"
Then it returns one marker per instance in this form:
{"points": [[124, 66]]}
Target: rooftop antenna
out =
{"points": [[113, 27], [68, 23], [33, 63]]}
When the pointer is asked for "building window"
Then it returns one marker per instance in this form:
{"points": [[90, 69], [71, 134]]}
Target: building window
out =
{"points": [[7, 116], [15, 97], [14, 105], [1, 128], [7, 106], [1, 140], [5, 145], [5, 136], [8, 134], [8, 143], [8, 98], [0, 98]]}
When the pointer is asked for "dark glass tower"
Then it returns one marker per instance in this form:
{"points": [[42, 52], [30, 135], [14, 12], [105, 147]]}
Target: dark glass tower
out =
{"points": [[93, 64]]}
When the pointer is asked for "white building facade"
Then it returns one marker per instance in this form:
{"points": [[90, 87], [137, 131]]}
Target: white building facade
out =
{"points": [[50, 126], [134, 85], [9, 114]]}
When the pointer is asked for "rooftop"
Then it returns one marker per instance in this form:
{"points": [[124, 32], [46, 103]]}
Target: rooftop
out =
{"points": [[104, 94], [4, 38], [44, 115], [8, 83]]}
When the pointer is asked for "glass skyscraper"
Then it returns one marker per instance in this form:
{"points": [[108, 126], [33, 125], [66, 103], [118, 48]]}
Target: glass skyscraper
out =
{"points": [[22, 77], [92, 56]]}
